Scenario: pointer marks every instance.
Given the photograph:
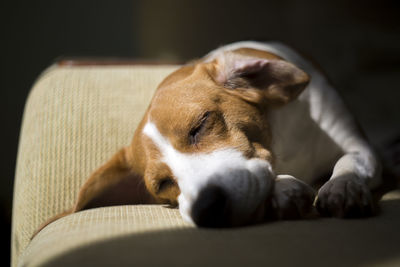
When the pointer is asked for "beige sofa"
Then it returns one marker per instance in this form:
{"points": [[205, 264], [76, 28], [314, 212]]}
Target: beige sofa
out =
{"points": [[76, 117]]}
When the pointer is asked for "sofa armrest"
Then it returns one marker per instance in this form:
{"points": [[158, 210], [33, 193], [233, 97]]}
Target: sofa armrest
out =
{"points": [[76, 116]]}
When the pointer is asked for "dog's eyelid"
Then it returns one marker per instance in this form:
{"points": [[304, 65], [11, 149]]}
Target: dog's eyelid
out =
{"points": [[204, 117], [195, 131]]}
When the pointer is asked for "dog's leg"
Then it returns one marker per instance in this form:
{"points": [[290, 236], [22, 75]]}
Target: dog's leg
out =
{"points": [[291, 198], [347, 193]]}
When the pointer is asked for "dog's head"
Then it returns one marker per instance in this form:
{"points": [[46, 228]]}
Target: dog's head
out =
{"points": [[204, 142]]}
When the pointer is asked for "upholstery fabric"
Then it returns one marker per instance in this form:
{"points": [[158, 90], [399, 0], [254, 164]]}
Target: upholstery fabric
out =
{"points": [[78, 117], [157, 236], [75, 119]]}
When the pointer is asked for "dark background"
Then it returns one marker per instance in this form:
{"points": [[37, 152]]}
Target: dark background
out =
{"points": [[356, 42]]}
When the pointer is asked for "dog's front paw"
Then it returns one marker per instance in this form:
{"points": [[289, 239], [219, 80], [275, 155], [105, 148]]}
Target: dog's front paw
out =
{"points": [[344, 197], [292, 198]]}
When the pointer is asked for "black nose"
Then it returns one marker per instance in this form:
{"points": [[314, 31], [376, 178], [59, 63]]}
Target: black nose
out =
{"points": [[212, 208]]}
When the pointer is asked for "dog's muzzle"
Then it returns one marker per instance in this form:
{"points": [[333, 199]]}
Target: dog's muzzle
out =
{"points": [[229, 197]]}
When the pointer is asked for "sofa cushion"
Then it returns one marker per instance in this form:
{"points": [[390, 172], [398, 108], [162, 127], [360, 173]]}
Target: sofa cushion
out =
{"points": [[154, 235]]}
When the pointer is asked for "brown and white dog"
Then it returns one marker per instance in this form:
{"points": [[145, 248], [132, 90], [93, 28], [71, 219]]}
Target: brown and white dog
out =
{"points": [[238, 137]]}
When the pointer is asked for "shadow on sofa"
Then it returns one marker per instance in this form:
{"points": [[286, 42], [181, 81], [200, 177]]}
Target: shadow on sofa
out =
{"points": [[320, 242]]}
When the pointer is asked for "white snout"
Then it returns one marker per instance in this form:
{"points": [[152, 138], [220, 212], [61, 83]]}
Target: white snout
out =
{"points": [[245, 184]]}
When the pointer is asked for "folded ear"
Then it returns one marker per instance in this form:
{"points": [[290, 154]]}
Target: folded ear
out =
{"points": [[115, 183], [257, 79]]}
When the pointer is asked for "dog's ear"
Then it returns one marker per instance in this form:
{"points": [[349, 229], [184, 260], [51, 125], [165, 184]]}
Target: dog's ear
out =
{"points": [[115, 183], [256, 79]]}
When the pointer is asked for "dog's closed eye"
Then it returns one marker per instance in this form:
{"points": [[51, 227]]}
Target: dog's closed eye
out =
{"points": [[196, 131]]}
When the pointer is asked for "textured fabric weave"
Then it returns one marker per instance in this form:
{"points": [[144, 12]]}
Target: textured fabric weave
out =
{"points": [[91, 227], [74, 120], [157, 236]]}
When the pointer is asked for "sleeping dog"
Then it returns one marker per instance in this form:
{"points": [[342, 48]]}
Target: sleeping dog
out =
{"points": [[241, 136]]}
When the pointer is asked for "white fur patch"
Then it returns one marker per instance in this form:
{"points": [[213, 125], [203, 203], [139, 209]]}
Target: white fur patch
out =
{"points": [[246, 181]]}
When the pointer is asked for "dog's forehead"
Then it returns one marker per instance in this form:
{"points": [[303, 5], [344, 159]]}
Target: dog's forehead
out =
{"points": [[176, 107], [172, 117], [185, 93]]}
